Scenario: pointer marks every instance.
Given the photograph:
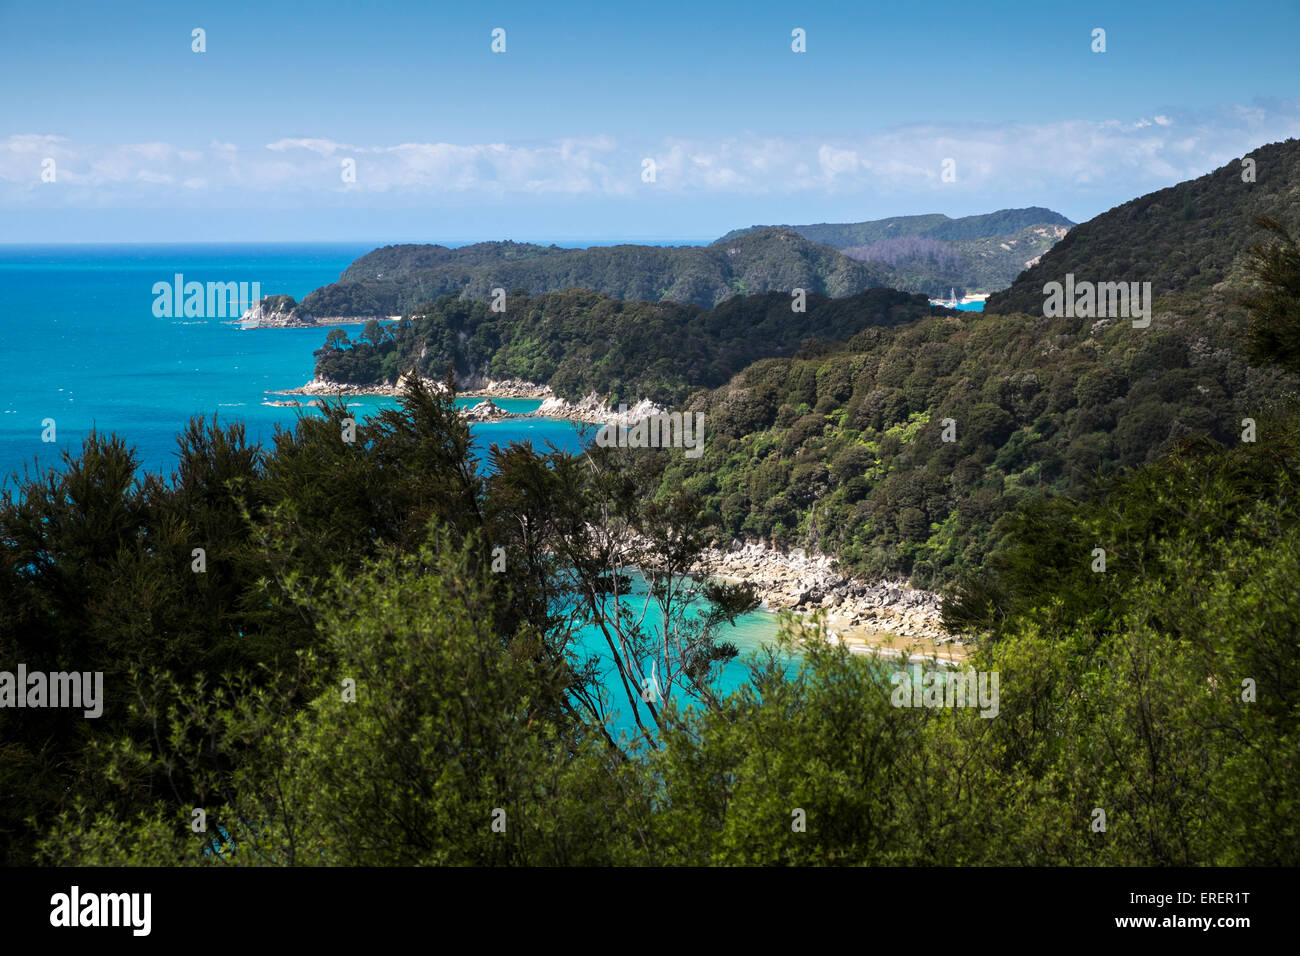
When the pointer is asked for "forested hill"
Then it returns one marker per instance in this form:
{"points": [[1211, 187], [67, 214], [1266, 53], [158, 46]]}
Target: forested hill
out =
{"points": [[843, 235], [578, 341], [842, 448], [1185, 238], [396, 279], [933, 254]]}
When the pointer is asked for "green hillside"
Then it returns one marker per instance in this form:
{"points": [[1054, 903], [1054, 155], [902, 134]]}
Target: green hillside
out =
{"points": [[933, 254], [1185, 238], [936, 267], [841, 448], [353, 681]]}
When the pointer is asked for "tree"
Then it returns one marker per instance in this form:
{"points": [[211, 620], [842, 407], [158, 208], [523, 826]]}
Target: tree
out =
{"points": [[1274, 333]]}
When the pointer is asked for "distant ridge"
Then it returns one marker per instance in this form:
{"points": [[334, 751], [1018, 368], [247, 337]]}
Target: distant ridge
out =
{"points": [[398, 279], [933, 253], [916, 254], [843, 235]]}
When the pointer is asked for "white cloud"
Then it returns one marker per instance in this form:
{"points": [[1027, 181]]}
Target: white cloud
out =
{"points": [[324, 147], [835, 161], [1120, 154]]}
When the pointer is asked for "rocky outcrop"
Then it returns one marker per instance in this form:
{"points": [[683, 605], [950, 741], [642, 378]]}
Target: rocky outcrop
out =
{"points": [[806, 583], [274, 312], [284, 312], [487, 411], [595, 410], [474, 386], [324, 387]]}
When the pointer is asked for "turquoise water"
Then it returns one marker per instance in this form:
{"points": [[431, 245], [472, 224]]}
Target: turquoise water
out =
{"points": [[750, 634], [79, 343]]}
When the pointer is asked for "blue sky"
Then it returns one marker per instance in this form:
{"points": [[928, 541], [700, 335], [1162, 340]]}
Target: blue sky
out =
{"points": [[450, 141]]}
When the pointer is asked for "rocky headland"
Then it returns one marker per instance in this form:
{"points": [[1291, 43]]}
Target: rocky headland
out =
{"points": [[282, 312]]}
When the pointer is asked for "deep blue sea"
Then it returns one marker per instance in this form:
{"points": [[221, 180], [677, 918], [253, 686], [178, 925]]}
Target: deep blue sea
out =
{"points": [[80, 344]]}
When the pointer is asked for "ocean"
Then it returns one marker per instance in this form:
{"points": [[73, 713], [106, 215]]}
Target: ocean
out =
{"points": [[81, 346]]}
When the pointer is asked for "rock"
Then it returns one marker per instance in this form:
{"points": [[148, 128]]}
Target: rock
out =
{"points": [[486, 411]]}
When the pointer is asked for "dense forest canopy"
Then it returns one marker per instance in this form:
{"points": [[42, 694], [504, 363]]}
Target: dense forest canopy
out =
{"points": [[934, 254], [840, 446], [937, 267], [1162, 692]]}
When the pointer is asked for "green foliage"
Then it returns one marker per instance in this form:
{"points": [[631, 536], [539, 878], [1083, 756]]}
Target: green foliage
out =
{"points": [[1163, 690], [209, 661], [1275, 308], [934, 254], [1127, 691], [1040, 405], [580, 342]]}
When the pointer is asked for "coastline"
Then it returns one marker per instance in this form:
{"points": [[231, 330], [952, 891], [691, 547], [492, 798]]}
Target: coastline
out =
{"points": [[476, 388], [591, 410]]}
